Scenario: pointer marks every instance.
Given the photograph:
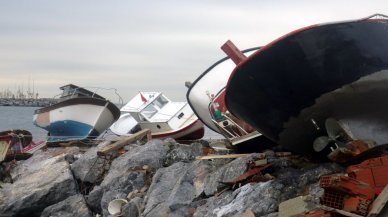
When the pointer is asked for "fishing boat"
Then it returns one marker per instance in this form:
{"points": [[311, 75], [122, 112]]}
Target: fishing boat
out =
{"points": [[80, 114], [165, 118], [206, 97], [293, 89], [17, 144]]}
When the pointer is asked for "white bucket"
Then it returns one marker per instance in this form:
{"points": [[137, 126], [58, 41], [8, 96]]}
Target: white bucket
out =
{"points": [[114, 207]]}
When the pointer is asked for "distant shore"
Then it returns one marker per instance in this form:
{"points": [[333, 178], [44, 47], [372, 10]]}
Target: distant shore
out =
{"points": [[41, 102]]}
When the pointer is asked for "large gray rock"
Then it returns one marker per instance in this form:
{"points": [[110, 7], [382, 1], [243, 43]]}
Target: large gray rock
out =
{"points": [[41, 159], [260, 198], [174, 188], [37, 189], [90, 167], [126, 172], [74, 206]]}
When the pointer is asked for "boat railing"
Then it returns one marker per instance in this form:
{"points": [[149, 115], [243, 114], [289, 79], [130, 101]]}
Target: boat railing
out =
{"points": [[232, 131], [376, 16], [93, 95]]}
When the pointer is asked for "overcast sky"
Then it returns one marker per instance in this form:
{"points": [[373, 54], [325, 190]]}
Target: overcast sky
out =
{"points": [[143, 45]]}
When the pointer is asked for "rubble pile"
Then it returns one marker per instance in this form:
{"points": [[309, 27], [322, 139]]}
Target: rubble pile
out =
{"points": [[162, 178]]}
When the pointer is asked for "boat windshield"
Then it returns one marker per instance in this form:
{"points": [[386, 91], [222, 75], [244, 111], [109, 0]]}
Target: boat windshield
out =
{"points": [[149, 111], [160, 102]]}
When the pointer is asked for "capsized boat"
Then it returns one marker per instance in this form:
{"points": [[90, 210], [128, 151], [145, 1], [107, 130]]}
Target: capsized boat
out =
{"points": [[154, 111], [206, 96], [80, 114], [292, 89], [17, 144]]}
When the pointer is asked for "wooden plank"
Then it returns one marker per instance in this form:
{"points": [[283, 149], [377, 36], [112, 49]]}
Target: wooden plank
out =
{"points": [[121, 143], [342, 212], [4, 146], [379, 203], [209, 157]]}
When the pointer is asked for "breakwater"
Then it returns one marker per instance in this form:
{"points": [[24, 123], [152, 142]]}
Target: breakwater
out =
{"points": [[41, 102]]}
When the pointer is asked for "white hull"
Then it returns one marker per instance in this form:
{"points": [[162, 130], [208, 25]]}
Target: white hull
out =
{"points": [[74, 118], [213, 81]]}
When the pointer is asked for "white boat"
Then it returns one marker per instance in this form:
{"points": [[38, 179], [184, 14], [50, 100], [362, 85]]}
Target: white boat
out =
{"points": [[80, 114], [206, 96], [154, 111]]}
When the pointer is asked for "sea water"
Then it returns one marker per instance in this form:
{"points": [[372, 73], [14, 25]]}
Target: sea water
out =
{"points": [[16, 117]]}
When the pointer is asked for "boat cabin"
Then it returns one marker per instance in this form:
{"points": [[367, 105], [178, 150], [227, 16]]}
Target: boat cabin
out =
{"points": [[155, 111], [72, 91]]}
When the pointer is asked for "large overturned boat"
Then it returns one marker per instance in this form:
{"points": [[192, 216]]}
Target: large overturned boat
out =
{"points": [[322, 79], [80, 114]]}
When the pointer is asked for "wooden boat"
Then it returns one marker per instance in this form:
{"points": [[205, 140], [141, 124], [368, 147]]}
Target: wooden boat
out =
{"points": [[80, 114], [154, 111], [17, 144], [292, 89]]}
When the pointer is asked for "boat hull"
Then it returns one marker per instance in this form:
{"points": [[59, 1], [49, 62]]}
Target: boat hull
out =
{"points": [[76, 118], [289, 88], [192, 130], [212, 81]]}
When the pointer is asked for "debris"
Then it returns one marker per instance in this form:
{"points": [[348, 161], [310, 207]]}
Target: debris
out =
{"points": [[346, 193], [296, 206], [119, 144], [250, 173], [372, 171], [248, 213], [350, 150], [379, 203], [209, 157]]}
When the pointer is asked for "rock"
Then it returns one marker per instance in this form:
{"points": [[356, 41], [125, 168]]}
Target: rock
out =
{"points": [[71, 207], [173, 189], [42, 159], [133, 208], [259, 198], [183, 153], [37, 189], [90, 167], [228, 172], [126, 172]]}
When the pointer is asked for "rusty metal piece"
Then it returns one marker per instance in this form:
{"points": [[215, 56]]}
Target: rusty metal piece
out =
{"points": [[233, 52]]}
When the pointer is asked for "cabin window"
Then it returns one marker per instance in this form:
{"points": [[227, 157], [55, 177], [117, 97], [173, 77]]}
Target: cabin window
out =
{"points": [[160, 102], [149, 111]]}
